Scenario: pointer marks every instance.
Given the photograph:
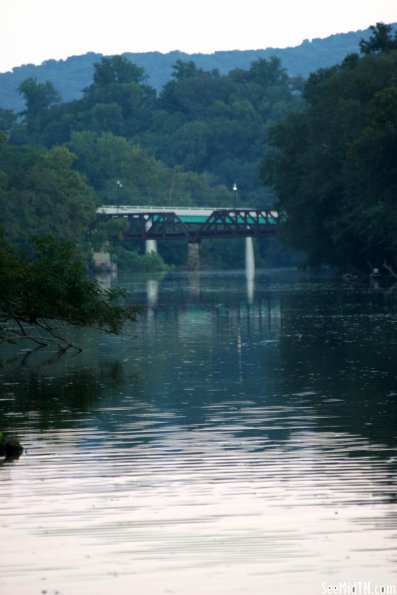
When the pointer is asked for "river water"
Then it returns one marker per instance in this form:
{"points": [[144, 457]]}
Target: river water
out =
{"points": [[240, 438]]}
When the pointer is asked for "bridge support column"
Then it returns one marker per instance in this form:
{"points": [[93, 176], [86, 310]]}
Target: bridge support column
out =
{"points": [[250, 268], [249, 259], [150, 246], [193, 255], [102, 262]]}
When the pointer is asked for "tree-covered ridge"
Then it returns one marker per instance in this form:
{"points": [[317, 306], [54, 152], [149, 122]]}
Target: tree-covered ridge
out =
{"points": [[74, 74], [202, 122], [333, 164]]}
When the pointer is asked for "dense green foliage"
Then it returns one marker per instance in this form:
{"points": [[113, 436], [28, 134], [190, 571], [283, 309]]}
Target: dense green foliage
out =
{"points": [[46, 287], [203, 122], [218, 124], [121, 171], [333, 164], [41, 193]]}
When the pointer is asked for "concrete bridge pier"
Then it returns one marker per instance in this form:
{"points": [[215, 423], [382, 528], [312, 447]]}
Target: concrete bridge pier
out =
{"points": [[193, 255], [249, 259], [103, 262], [150, 246], [250, 269]]}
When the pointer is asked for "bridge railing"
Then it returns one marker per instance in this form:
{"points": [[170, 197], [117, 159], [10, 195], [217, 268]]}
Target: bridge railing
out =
{"points": [[144, 208], [115, 209]]}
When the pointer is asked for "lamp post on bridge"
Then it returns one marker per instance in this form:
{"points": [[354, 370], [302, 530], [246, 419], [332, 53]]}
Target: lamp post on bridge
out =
{"points": [[119, 192], [235, 195]]}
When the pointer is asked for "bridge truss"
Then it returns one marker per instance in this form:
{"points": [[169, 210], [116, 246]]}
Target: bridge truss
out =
{"points": [[170, 225]]}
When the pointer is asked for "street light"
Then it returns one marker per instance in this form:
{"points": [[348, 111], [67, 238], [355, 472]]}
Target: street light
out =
{"points": [[235, 195], [119, 191]]}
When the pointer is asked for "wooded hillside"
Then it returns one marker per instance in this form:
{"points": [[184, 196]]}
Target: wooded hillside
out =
{"points": [[73, 75], [333, 164]]}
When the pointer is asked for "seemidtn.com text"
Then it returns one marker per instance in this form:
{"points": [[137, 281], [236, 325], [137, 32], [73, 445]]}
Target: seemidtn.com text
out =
{"points": [[357, 588]]}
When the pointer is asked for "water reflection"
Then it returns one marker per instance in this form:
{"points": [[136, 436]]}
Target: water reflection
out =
{"points": [[234, 445], [152, 289]]}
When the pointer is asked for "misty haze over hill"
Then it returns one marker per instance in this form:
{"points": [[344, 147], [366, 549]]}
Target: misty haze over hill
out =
{"points": [[74, 74]]}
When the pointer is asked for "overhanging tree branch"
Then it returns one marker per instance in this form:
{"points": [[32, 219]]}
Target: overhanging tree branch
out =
{"points": [[48, 286]]}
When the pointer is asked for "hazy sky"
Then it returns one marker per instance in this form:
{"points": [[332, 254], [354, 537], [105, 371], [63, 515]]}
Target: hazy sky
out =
{"points": [[36, 30]]}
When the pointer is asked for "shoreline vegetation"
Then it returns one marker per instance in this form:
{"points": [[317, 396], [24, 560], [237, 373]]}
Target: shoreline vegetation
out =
{"points": [[46, 289]]}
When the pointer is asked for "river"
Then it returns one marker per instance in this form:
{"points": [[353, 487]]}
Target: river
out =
{"points": [[241, 437]]}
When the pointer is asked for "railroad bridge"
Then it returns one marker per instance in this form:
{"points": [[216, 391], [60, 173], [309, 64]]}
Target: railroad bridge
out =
{"points": [[150, 223]]}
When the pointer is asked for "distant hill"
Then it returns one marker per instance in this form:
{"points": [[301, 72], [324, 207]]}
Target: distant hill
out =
{"points": [[74, 74]]}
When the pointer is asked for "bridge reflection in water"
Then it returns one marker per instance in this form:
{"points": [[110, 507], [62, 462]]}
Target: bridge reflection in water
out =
{"points": [[227, 310]]}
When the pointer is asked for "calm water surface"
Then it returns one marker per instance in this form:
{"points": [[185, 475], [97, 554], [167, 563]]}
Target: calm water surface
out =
{"points": [[242, 439]]}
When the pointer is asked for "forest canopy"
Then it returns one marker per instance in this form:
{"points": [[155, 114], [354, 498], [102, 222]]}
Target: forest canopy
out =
{"points": [[333, 164], [201, 122]]}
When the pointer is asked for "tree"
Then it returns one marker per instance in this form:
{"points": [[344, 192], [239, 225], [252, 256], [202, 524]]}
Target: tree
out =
{"points": [[45, 290], [117, 70], [381, 40], [185, 69], [120, 86], [38, 96], [8, 120]]}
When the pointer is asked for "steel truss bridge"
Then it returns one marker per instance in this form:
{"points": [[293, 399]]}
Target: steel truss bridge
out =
{"points": [[191, 223]]}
